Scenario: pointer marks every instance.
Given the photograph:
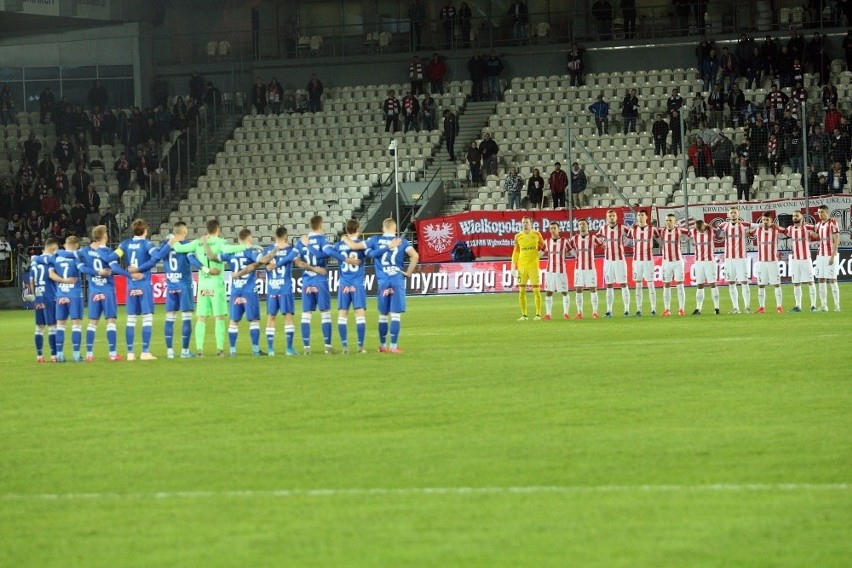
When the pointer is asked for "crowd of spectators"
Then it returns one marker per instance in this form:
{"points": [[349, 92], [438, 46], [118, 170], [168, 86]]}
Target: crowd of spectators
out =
{"points": [[561, 185], [269, 98]]}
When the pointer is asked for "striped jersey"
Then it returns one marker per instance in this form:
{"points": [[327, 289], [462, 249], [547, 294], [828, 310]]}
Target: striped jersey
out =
{"points": [[612, 239], [767, 243], [703, 244], [670, 243], [826, 231], [643, 242], [735, 238], [557, 250], [800, 241], [583, 247]]}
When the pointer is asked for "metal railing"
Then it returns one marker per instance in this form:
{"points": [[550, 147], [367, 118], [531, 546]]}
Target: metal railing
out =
{"points": [[490, 26]]}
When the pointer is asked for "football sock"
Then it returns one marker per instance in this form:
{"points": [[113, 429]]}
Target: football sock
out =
{"points": [[699, 299], [306, 329], [361, 329], [147, 328], [90, 337], [383, 329], [625, 297], [169, 330], [395, 326], [812, 291], [112, 337], [746, 295], [289, 334], [130, 332], [233, 333], [76, 337], [220, 334], [200, 332], [595, 301], [681, 296], [326, 328], [537, 300], [270, 338], [579, 302], [652, 296], [548, 304], [667, 298], [778, 296], [735, 295], [714, 293], [823, 294], [60, 337], [51, 338], [639, 296], [610, 297], [254, 336], [761, 297], [566, 304], [522, 299], [186, 330], [39, 342], [835, 294], [797, 295], [343, 330]]}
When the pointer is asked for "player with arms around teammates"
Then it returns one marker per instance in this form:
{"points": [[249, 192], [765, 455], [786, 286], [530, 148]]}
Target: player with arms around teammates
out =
{"points": [[556, 273], [43, 289], [801, 265], [279, 291], [313, 250], [670, 246], [828, 233], [611, 236], [582, 245], [389, 262], [69, 298], [525, 266], [705, 266], [735, 230], [643, 235], [768, 272], [351, 292], [179, 294]]}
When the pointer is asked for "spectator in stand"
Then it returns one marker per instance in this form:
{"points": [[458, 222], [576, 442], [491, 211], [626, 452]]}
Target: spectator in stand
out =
{"points": [[315, 90], [575, 66], [716, 101], [558, 182], [660, 132], [213, 104], [832, 119], [745, 149], [61, 186], [451, 130], [98, 96], [709, 69], [415, 75], [35, 223], [435, 71], [602, 13], [676, 129], [630, 110], [92, 203], [391, 109], [759, 135], [274, 95], [303, 105], [258, 96], [773, 155], [474, 162], [674, 102], [5, 259], [46, 102], [702, 52], [45, 168], [701, 158], [578, 186], [535, 190], [122, 173], [742, 52], [415, 16], [465, 24], [513, 185], [518, 16], [793, 147], [600, 110], [477, 69], [32, 149], [784, 63], [493, 68], [448, 20], [78, 220], [141, 166], [196, 88], [111, 223], [109, 127], [698, 111], [836, 179], [769, 53], [754, 68], [411, 112], [7, 106], [818, 148], [728, 65], [96, 120], [723, 149], [50, 205], [743, 180], [776, 102], [429, 110], [80, 181], [489, 150], [814, 53], [829, 96], [736, 102]]}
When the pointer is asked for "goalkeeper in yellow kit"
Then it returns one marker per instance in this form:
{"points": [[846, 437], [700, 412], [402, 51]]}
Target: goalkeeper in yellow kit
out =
{"points": [[525, 266]]}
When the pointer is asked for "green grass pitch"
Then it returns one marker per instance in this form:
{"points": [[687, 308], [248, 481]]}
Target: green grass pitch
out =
{"points": [[718, 441]]}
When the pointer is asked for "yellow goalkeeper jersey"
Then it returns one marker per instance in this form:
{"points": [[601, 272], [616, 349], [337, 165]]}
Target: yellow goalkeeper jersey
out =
{"points": [[527, 245]]}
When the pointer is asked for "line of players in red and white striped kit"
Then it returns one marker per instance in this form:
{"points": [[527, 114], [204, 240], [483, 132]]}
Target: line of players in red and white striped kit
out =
{"points": [[734, 231]]}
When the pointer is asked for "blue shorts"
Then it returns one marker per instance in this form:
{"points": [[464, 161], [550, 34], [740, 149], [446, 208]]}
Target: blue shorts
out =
{"points": [[391, 297], [247, 304], [280, 304], [140, 301], [352, 296], [316, 295], [102, 304], [179, 299], [69, 308], [45, 311]]}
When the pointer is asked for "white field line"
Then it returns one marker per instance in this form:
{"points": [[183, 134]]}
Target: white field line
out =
{"points": [[414, 491]]}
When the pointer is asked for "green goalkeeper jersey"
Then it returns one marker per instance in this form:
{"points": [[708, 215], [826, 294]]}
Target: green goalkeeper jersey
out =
{"points": [[218, 246]]}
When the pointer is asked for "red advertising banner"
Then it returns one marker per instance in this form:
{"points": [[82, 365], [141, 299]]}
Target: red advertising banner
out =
{"points": [[491, 233]]}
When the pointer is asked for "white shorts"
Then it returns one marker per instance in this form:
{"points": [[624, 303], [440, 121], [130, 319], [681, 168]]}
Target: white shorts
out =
{"points": [[555, 282], [643, 270], [705, 272], [825, 271], [736, 270], [672, 270], [587, 278], [801, 271], [615, 272], [768, 274]]}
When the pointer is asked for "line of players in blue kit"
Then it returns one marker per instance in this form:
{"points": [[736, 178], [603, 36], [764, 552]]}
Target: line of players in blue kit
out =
{"points": [[55, 286]]}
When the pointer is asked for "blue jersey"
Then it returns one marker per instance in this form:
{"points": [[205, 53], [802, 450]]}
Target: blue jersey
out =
{"points": [[65, 266], [237, 261], [142, 254], [43, 287], [178, 268], [389, 262], [350, 275], [93, 260], [314, 253], [279, 280]]}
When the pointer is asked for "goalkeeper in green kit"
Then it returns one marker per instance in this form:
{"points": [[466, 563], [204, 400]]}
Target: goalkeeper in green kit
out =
{"points": [[211, 297]]}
